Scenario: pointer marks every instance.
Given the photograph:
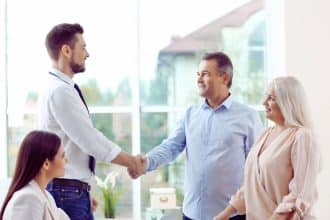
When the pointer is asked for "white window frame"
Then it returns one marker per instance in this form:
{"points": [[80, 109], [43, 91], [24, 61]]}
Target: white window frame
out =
{"points": [[274, 64], [4, 91]]}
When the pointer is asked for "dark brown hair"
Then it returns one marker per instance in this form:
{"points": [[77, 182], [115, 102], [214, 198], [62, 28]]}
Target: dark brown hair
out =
{"points": [[36, 147], [59, 35], [223, 62]]}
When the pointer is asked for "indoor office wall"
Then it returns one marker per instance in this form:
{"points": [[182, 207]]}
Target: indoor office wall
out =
{"points": [[307, 34]]}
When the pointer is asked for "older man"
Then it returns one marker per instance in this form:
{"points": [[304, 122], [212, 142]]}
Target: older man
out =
{"points": [[217, 136]]}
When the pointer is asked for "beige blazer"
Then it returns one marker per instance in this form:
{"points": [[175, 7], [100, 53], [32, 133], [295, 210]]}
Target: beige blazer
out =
{"points": [[282, 177], [32, 203]]}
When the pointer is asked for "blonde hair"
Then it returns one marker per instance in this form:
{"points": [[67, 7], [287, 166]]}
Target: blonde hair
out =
{"points": [[292, 100]]}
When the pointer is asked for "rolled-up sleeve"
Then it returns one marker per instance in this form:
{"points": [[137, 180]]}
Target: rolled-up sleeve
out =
{"points": [[305, 157], [73, 118], [169, 149]]}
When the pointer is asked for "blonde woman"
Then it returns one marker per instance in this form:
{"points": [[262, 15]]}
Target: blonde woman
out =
{"points": [[281, 169]]}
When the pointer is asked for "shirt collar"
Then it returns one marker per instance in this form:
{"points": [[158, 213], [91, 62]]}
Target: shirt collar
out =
{"points": [[225, 104], [61, 76]]}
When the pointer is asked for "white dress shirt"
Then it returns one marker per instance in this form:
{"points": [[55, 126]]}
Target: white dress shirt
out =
{"points": [[31, 203], [60, 110]]}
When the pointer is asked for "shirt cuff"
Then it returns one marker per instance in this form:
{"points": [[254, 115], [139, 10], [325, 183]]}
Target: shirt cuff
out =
{"points": [[148, 168], [115, 150], [238, 205], [300, 206]]}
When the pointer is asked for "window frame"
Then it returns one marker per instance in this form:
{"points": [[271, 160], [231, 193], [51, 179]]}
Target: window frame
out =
{"points": [[3, 92], [136, 109]]}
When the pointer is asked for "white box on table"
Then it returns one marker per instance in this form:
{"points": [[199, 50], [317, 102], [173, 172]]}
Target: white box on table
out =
{"points": [[162, 198]]}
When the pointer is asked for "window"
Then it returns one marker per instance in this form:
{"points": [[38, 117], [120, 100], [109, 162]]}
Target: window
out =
{"points": [[140, 76]]}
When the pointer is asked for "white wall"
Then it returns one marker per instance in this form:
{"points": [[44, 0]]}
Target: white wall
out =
{"points": [[3, 92], [307, 52], [298, 43]]}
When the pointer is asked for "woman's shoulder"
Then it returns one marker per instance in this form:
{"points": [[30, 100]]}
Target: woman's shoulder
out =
{"points": [[25, 198], [25, 203], [304, 138], [27, 192], [303, 132]]}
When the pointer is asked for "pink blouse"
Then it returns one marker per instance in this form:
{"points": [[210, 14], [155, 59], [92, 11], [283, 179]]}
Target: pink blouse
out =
{"points": [[282, 178]]}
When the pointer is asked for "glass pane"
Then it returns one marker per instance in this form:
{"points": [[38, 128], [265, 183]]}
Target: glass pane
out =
{"points": [[257, 37], [117, 127], [169, 63], [155, 128], [102, 84], [111, 37], [19, 125], [249, 80], [121, 192], [256, 63]]}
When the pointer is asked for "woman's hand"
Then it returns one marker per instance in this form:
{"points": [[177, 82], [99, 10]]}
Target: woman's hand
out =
{"points": [[221, 216], [281, 216], [225, 214]]}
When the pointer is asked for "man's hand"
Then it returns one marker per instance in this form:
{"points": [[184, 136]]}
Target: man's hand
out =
{"points": [[94, 204], [136, 166], [140, 166]]}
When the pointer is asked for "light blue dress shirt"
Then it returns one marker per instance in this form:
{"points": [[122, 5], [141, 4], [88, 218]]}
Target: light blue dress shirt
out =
{"points": [[217, 142]]}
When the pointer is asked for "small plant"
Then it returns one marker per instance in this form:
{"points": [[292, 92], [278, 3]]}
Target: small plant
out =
{"points": [[109, 193]]}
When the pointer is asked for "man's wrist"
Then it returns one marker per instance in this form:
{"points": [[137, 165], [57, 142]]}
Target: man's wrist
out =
{"points": [[125, 160]]}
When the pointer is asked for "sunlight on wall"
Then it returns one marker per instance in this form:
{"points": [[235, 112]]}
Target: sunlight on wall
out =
{"points": [[307, 52]]}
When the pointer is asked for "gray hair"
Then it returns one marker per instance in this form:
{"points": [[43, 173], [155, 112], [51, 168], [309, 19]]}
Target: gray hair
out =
{"points": [[225, 66], [292, 100]]}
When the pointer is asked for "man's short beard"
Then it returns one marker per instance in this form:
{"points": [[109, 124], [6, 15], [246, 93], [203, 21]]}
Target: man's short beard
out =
{"points": [[76, 68]]}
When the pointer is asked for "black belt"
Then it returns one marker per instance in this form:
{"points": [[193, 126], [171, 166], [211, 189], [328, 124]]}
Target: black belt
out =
{"points": [[71, 182]]}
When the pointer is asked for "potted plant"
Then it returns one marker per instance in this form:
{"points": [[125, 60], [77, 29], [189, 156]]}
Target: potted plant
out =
{"points": [[109, 193]]}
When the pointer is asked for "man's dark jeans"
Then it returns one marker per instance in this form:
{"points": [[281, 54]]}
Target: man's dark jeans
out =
{"points": [[237, 217], [73, 200]]}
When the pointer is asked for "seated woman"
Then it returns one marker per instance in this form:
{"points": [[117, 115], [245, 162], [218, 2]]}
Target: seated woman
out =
{"points": [[281, 169], [41, 157]]}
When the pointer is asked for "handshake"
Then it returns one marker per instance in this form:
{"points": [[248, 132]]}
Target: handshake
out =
{"points": [[138, 166]]}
